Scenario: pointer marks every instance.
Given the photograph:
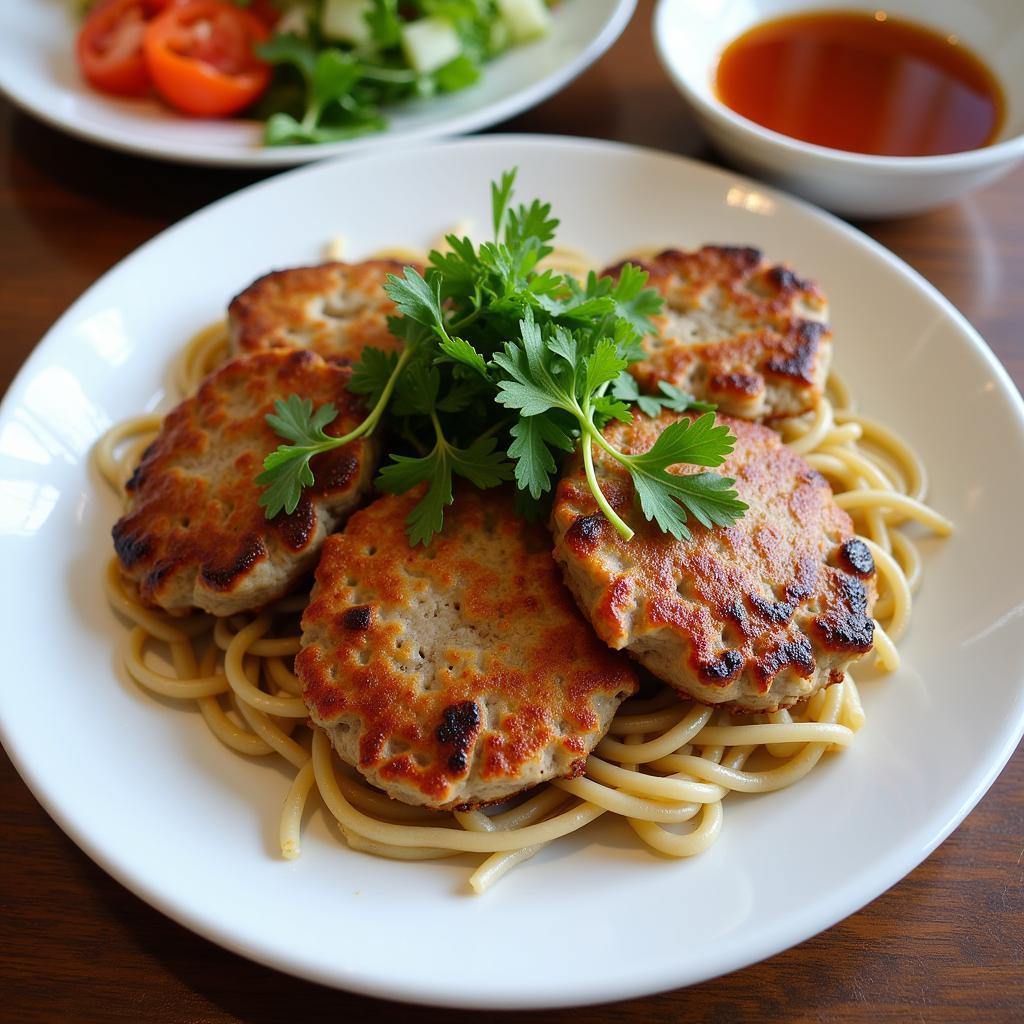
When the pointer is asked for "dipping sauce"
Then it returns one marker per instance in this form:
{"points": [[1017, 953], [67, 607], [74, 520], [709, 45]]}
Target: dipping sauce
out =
{"points": [[867, 83]]}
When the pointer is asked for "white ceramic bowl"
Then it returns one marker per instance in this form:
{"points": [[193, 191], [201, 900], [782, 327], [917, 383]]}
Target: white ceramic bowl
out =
{"points": [[691, 35]]}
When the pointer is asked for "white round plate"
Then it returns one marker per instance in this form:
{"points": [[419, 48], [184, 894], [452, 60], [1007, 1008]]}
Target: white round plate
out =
{"points": [[146, 791], [38, 72]]}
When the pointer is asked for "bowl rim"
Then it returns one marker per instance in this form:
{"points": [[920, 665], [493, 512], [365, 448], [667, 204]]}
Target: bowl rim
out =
{"points": [[984, 156]]}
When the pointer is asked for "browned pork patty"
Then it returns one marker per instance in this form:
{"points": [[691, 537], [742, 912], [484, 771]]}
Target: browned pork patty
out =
{"points": [[194, 534], [736, 330], [755, 617], [335, 309], [457, 674]]}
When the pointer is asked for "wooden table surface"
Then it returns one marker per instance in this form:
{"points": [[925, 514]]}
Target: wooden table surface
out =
{"points": [[945, 944]]}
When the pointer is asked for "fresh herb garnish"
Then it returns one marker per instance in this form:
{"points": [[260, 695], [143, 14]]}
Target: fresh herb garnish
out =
{"points": [[506, 368], [286, 471]]}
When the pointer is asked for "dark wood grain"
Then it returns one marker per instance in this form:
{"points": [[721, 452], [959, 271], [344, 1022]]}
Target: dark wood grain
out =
{"points": [[946, 944]]}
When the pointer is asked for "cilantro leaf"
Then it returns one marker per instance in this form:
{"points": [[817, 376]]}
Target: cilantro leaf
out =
{"points": [[603, 365], [461, 351], [667, 497], [625, 388], [458, 269], [385, 24], [532, 387], [681, 401], [533, 439], [417, 390], [287, 470], [283, 480], [294, 419], [480, 463], [371, 374], [563, 344], [609, 408], [501, 194], [405, 473], [292, 49], [415, 298], [457, 74], [634, 301], [699, 442], [532, 227]]}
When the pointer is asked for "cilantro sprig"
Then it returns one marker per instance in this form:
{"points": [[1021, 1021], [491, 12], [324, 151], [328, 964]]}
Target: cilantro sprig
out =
{"points": [[507, 368], [286, 471]]}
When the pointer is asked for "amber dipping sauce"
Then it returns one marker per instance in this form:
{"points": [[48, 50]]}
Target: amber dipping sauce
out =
{"points": [[863, 82]]}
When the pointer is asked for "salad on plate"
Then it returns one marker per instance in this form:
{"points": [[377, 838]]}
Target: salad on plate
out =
{"points": [[313, 71]]}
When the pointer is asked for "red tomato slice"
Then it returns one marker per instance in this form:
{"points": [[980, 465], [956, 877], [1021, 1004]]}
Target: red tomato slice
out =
{"points": [[109, 46], [266, 12], [200, 57]]}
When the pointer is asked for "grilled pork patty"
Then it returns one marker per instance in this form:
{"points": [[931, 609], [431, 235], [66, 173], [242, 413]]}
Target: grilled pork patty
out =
{"points": [[755, 617], [461, 673], [193, 534], [736, 330], [334, 309]]}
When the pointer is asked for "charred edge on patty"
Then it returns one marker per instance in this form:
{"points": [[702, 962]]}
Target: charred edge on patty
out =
{"points": [[786, 281], [223, 577], [745, 255], [801, 364], [128, 547], [724, 670], [779, 612], [461, 723], [848, 627], [138, 474], [156, 575], [856, 557], [336, 473], [795, 654], [296, 529], [737, 383]]}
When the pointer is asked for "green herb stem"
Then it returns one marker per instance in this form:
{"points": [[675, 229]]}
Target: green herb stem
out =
{"points": [[464, 322], [438, 430], [590, 435], [394, 76], [370, 423]]}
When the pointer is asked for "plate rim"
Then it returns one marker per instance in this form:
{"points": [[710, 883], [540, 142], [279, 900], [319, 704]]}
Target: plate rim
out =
{"points": [[269, 157], [787, 934]]}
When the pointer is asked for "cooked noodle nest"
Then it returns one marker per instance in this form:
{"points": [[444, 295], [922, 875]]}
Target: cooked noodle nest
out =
{"points": [[666, 765]]}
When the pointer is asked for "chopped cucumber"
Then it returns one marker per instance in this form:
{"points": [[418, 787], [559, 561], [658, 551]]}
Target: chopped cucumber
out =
{"points": [[526, 19], [430, 43], [344, 21], [295, 21]]}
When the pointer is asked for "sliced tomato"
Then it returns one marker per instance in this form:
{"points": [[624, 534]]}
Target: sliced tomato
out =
{"points": [[266, 12], [201, 59], [109, 45]]}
